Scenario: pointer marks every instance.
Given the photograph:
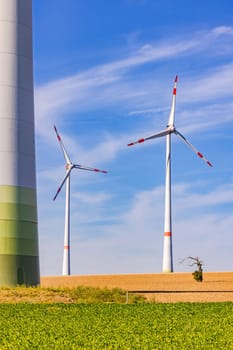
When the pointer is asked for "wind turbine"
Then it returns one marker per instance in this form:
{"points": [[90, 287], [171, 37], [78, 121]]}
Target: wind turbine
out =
{"points": [[69, 167], [170, 129]]}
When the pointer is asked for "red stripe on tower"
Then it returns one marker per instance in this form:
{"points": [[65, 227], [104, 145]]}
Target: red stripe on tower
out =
{"points": [[167, 234], [66, 247]]}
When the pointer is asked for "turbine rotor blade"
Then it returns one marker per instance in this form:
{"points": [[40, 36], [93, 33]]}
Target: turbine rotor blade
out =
{"points": [[158, 134], [171, 119], [67, 158], [199, 154], [82, 167], [62, 183]]}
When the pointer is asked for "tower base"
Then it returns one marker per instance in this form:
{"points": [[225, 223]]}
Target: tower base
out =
{"points": [[19, 270]]}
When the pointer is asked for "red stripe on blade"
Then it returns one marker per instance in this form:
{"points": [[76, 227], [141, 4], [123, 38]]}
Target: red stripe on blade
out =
{"points": [[176, 78], [209, 163], [141, 140], [200, 155], [130, 144], [174, 91], [58, 136]]}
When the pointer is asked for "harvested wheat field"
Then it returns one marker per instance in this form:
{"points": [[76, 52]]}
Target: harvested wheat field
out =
{"points": [[175, 287]]}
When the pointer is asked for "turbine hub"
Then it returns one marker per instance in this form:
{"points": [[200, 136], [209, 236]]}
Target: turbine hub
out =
{"points": [[69, 166], [171, 129]]}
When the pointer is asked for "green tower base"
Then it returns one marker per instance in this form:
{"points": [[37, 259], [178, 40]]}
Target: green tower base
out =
{"points": [[19, 270]]}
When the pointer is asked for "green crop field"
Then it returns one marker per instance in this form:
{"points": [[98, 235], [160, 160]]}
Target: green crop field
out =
{"points": [[117, 326]]}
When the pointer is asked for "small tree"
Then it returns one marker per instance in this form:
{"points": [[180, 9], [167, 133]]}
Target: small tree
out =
{"points": [[197, 274]]}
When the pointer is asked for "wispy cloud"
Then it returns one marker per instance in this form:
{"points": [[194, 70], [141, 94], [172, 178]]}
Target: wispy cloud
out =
{"points": [[221, 30], [111, 82], [212, 199], [211, 85]]}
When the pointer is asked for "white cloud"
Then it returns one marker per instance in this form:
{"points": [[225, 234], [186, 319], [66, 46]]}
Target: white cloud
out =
{"points": [[134, 243], [222, 30], [92, 198]]}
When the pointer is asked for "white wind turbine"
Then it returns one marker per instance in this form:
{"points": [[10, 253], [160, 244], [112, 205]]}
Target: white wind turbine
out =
{"points": [[170, 129], [69, 167]]}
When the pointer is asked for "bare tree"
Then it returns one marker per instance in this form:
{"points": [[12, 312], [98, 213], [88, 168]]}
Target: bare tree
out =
{"points": [[197, 274]]}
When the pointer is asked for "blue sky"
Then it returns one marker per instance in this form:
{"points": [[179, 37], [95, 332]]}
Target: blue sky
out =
{"points": [[104, 73]]}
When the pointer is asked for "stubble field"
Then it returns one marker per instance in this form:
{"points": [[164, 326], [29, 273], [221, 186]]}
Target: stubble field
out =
{"points": [[175, 287]]}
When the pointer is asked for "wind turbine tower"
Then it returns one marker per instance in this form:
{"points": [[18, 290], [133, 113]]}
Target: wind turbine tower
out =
{"points": [[19, 255], [170, 129]]}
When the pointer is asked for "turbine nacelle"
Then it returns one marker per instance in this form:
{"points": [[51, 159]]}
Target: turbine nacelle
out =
{"points": [[69, 166], [171, 129]]}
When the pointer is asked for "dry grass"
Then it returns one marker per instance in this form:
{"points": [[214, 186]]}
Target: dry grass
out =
{"points": [[80, 294], [33, 295], [175, 287]]}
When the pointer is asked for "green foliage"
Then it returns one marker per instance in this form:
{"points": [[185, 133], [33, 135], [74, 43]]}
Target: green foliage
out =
{"points": [[116, 326], [198, 275]]}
